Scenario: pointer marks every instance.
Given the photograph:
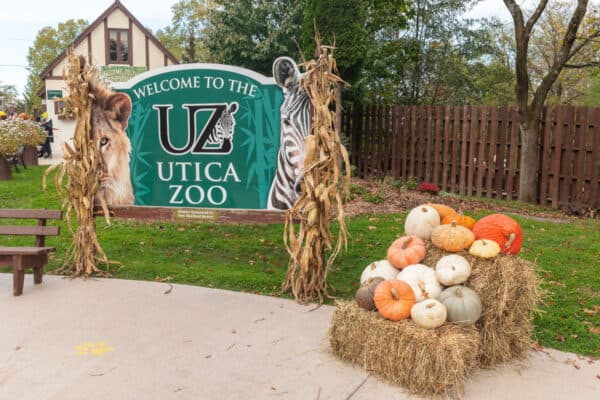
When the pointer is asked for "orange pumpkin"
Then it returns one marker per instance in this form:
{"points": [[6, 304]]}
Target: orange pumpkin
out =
{"points": [[394, 299], [503, 230], [442, 209], [405, 251], [452, 237], [462, 220]]}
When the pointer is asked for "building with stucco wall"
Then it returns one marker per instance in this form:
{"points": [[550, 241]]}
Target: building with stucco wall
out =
{"points": [[119, 45]]}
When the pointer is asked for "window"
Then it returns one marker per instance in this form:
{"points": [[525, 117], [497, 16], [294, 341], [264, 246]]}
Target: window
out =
{"points": [[118, 46]]}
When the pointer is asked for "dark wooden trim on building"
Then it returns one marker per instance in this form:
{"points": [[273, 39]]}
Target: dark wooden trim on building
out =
{"points": [[106, 51], [102, 18], [196, 215], [147, 52], [89, 42], [130, 38], [166, 60]]}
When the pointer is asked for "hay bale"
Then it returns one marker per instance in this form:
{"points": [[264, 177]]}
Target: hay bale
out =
{"points": [[426, 362], [509, 291]]}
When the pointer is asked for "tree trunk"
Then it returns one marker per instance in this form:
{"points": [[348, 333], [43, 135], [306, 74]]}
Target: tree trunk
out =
{"points": [[529, 160]]}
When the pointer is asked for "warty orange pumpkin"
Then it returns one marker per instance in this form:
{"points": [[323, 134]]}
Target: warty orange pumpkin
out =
{"points": [[452, 237]]}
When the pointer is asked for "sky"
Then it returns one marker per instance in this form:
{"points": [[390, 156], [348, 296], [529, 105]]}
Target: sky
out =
{"points": [[21, 21]]}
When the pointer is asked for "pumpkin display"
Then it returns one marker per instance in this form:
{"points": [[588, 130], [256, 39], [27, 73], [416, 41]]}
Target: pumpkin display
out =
{"points": [[382, 269], [503, 230], [394, 299], [452, 237], [422, 280], [452, 270], [429, 314], [462, 303], [442, 209], [484, 248], [365, 294], [460, 219], [420, 221], [405, 251]]}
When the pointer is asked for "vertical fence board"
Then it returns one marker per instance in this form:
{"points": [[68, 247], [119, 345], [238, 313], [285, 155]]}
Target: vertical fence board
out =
{"points": [[464, 147], [481, 143], [455, 168], [567, 159], [472, 143], [491, 149], [395, 170], [579, 161], [427, 151], [594, 161], [500, 178], [405, 117], [546, 153], [513, 152], [557, 140], [446, 156]]}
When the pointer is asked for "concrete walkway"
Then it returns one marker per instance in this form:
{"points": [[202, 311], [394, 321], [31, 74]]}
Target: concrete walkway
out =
{"points": [[116, 339]]}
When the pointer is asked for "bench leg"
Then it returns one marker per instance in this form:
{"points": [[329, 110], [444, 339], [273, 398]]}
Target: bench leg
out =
{"points": [[38, 273], [18, 275]]}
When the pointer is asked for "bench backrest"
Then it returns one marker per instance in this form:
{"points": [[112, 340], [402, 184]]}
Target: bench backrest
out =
{"points": [[40, 231]]}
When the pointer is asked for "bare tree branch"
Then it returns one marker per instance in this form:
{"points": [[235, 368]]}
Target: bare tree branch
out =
{"points": [[563, 56], [585, 65], [535, 16]]}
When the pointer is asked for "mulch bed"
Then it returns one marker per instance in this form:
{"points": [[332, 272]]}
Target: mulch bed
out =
{"points": [[402, 200]]}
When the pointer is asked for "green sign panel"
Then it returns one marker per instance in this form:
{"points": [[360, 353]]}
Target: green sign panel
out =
{"points": [[203, 136], [120, 73], [54, 94]]}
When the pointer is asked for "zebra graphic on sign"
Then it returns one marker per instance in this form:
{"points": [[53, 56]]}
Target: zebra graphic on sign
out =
{"points": [[223, 129], [295, 126]]}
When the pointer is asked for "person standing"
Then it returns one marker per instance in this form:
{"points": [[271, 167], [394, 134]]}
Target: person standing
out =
{"points": [[47, 125]]}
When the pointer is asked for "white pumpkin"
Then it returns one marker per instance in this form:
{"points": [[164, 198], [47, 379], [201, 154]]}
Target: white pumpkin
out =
{"points": [[382, 269], [463, 304], [429, 314], [452, 270], [421, 220], [422, 280]]}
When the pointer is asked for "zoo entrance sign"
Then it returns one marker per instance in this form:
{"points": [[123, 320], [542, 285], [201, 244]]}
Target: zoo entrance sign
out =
{"points": [[203, 136]]}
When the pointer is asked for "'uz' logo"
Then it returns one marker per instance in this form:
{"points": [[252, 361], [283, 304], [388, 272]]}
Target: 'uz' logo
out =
{"points": [[216, 136]]}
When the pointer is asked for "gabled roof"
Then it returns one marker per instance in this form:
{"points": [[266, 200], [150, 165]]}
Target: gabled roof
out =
{"points": [[114, 6]]}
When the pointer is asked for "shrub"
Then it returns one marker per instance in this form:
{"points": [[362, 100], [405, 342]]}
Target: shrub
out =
{"points": [[428, 188]]}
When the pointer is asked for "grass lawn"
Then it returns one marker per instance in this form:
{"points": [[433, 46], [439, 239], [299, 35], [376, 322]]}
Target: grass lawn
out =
{"points": [[252, 258]]}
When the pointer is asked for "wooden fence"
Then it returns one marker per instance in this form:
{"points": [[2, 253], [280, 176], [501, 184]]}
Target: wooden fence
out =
{"points": [[476, 150]]}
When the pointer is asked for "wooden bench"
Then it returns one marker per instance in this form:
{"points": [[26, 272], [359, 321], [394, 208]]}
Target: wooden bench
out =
{"points": [[21, 257]]}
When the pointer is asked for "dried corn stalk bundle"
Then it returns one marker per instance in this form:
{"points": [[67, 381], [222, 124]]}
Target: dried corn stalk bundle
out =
{"points": [[80, 167], [325, 184]]}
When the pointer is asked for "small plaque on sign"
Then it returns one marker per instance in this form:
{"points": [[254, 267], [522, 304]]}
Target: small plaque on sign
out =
{"points": [[195, 215]]}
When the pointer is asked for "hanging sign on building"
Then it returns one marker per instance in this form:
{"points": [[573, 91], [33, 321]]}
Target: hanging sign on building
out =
{"points": [[203, 136]]}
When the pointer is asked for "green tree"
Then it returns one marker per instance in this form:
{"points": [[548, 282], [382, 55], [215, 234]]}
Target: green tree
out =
{"points": [[253, 33], [186, 36], [425, 52], [8, 96], [48, 44], [343, 25]]}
